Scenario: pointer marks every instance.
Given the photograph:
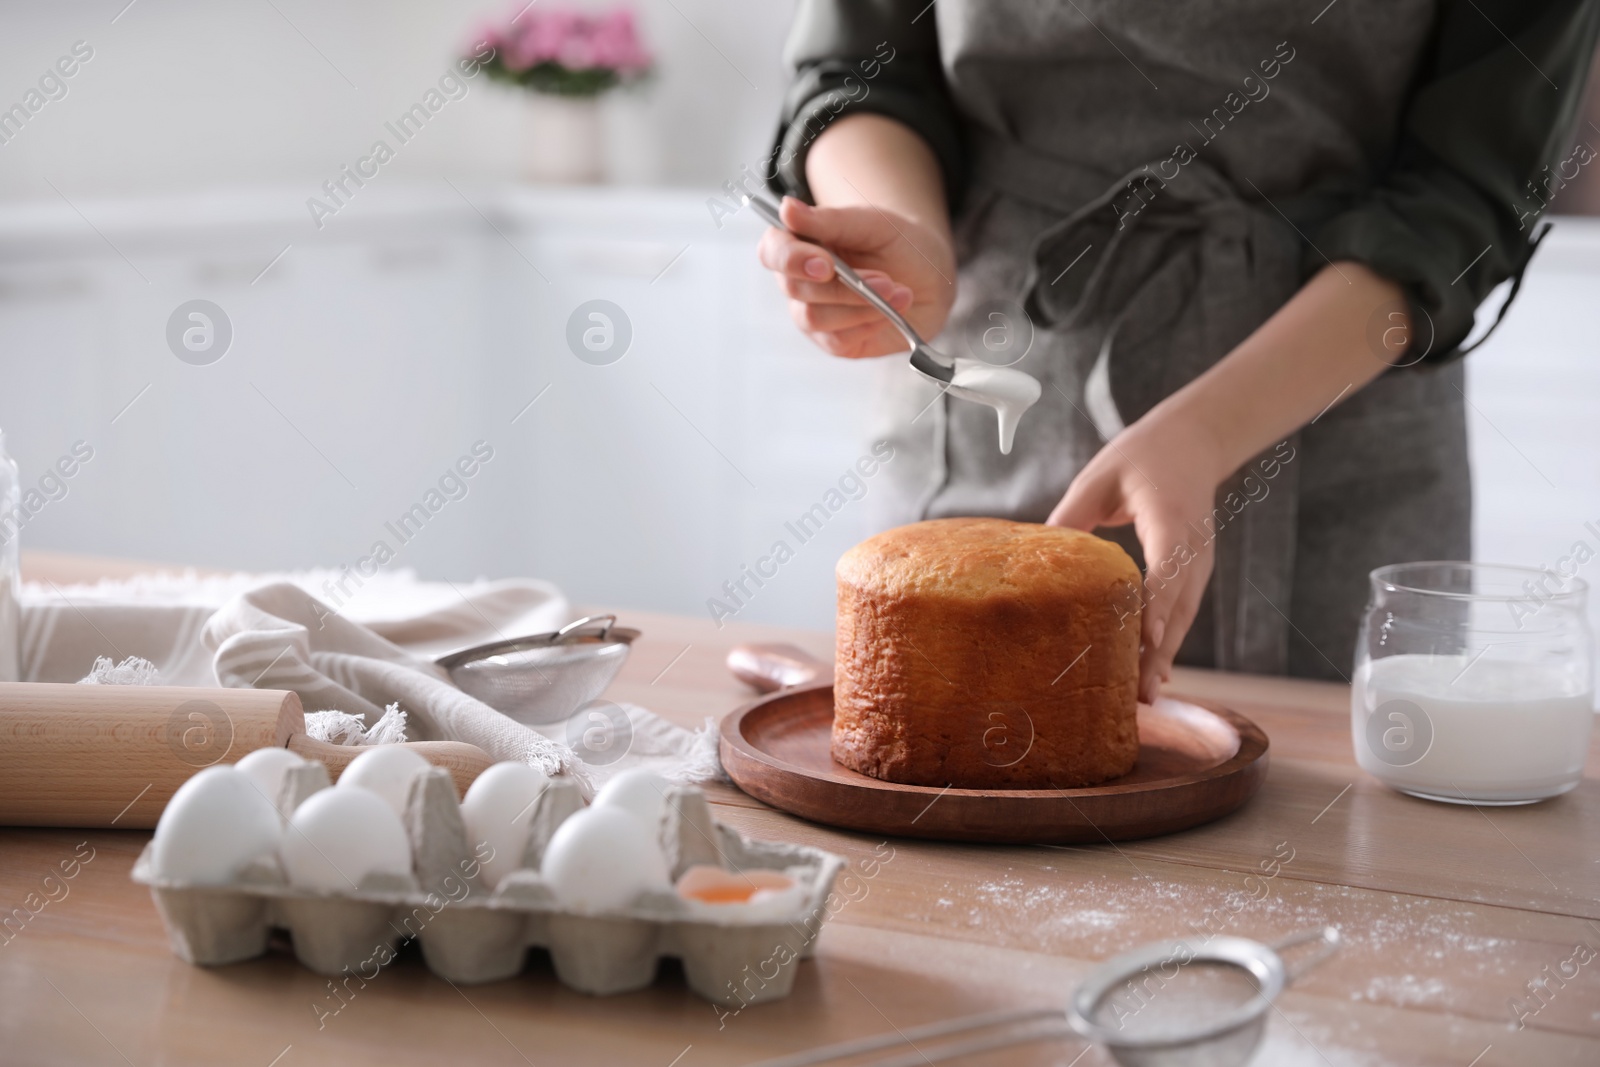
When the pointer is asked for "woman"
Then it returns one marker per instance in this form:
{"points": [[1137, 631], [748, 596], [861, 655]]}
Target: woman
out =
{"points": [[1240, 243]]}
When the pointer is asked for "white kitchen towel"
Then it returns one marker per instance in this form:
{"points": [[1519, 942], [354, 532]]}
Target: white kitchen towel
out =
{"points": [[159, 616], [280, 637], [375, 651]]}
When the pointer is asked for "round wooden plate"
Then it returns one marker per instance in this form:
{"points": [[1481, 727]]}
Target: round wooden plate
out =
{"points": [[1197, 762]]}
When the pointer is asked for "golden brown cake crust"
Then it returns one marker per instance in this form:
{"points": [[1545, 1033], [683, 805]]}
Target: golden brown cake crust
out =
{"points": [[983, 653]]}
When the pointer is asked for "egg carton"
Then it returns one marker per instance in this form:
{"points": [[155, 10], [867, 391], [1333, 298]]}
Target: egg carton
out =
{"points": [[731, 954]]}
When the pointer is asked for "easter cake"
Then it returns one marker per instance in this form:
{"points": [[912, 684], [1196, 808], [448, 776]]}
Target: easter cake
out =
{"points": [[983, 653]]}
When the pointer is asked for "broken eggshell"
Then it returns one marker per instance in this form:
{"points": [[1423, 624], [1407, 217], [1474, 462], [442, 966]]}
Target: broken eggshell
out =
{"points": [[713, 891]]}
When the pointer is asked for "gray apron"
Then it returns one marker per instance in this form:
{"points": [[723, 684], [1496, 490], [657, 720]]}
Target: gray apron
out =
{"points": [[1116, 276]]}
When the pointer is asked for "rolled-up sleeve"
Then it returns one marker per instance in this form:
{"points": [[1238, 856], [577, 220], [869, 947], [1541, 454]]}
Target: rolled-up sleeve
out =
{"points": [[1487, 136], [878, 56]]}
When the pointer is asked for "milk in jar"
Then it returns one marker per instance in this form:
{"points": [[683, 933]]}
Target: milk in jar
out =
{"points": [[1450, 729]]}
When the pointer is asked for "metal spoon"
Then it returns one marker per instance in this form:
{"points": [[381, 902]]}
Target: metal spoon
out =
{"points": [[925, 360]]}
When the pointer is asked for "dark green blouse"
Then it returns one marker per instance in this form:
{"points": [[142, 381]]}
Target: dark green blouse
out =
{"points": [[1484, 138]]}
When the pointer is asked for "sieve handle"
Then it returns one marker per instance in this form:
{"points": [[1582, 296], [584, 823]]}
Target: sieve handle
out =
{"points": [[606, 623], [1327, 937]]}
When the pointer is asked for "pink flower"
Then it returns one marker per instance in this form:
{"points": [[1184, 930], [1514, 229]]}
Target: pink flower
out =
{"points": [[487, 33], [577, 40], [617, 44]]}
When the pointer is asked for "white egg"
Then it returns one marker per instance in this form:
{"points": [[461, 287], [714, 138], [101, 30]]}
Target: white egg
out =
{"points": [[214, 825], [642, 792], [337, 837], [387, 770], [600, 859], [266, 767], [497, 809]]}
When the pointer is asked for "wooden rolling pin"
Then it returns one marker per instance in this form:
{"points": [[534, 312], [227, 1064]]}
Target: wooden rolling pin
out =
{"points": [[113, 755]]}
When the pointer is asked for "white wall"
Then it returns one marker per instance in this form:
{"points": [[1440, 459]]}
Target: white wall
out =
{"points": [[373, 355], [183, 95], [1534, 419]]}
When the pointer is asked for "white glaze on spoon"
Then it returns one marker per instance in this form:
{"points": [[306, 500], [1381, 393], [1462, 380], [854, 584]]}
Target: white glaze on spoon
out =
{"points": [[1009, 391]]}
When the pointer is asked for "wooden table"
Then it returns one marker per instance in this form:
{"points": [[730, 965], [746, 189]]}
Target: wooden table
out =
{"points": [[1448, 914]]}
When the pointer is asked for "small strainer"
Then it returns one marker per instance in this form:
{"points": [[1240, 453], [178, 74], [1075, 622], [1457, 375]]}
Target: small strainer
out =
{"points": [[547, 677], [1168, 1003], [1164, 1005]]}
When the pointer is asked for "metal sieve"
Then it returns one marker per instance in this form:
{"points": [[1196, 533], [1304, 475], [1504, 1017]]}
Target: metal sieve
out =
{"points": [[1163, 1005], [1167, 1003], [547, 677]]}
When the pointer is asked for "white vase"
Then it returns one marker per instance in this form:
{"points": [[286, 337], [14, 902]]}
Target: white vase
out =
{"points": [[563, 139]]}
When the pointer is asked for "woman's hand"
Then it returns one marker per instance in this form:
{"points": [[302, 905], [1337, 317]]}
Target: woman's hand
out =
{"points": [[909, 264], [1160, 474], [881, 207]]}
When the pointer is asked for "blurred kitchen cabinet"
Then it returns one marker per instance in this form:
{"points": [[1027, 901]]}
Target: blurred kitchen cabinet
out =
{"points": [[369, 357], [664, 470]]}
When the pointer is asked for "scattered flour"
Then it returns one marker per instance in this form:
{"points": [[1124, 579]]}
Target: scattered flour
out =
{"points": [[1095, 919], [1402, 951], [1407, 991]]}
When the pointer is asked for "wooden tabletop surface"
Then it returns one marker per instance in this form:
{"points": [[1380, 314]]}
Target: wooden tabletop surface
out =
{"points": [[1448, 914]]}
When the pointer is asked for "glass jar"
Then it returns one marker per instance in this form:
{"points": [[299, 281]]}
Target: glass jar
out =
{"points": [[10, 561], [1474, 682]]}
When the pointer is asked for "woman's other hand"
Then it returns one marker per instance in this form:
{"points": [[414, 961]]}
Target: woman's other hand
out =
{"points": [[1161, 475]]}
